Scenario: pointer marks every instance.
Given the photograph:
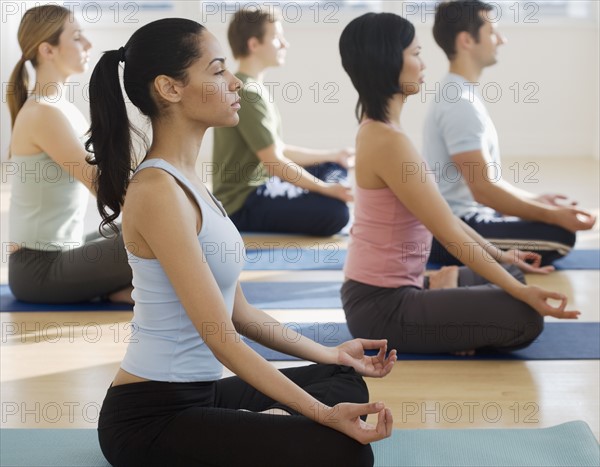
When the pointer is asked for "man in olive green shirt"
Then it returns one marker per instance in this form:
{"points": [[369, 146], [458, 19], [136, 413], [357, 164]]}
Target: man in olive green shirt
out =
{"points": [[264, 184]]}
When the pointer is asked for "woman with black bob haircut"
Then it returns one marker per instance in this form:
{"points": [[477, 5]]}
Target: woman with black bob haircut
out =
{"points": [[397, 210], [168, 405], [376, 61]]}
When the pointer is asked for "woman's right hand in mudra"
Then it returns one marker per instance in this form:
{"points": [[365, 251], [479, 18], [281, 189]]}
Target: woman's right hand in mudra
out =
{"points": [[345, 417]]}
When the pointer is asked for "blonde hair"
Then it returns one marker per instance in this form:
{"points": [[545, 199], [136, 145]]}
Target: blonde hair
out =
{"points": [[40, 24]]}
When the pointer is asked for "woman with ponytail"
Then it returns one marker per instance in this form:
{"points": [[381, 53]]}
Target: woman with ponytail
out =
{"points": [[167, 404], [51, 260]]}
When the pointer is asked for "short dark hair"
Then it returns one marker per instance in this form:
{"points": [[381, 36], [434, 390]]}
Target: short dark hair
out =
{"points": [[454, 17], [248, 23], [372, 48]]}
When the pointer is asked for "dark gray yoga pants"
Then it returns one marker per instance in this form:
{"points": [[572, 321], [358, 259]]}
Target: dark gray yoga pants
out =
{"points": [[475, 315], [97, 268]]}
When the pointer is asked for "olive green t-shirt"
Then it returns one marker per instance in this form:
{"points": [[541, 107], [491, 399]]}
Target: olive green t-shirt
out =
{"points": [[237, 169]]}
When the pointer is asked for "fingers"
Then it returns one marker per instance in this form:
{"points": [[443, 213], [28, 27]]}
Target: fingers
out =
{"points": [[535, 258], [583, 213], [389, 363], [370, 344], [393, 355], [385, 424], [556, 311], [356, 410], [556, 296], [565, 314], [545, 269], [584, 219], [540, 270]]}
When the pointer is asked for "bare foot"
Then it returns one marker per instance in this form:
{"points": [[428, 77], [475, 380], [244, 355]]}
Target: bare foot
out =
{"points": [[122, 296], [445, 278]]}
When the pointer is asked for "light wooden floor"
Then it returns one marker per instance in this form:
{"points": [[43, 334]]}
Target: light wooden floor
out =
{"points": [[55, 367]]}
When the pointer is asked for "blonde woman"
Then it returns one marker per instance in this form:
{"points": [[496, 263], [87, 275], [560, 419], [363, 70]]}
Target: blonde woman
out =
{"points": [[51, 259]]}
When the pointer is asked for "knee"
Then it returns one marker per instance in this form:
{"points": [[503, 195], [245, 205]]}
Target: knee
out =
{"points": [[352, 385], [336, 219], [566, 237], [529, 329], [361, 455], [532, 327]]}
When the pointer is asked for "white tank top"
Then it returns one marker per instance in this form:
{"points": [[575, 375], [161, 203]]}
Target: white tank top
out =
{"points": [[164, 344]]}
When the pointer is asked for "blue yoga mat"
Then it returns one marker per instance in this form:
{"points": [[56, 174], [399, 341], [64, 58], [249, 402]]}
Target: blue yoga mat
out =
{"points": [[265, 295], [569, 444], [9, 303], [293, 295], [559, 341], [579, 259], [295, 258]]}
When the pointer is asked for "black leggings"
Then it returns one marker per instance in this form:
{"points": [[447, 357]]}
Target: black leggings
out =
{"points": [[507, 232], [192, 424], [282, 207], [474, 315]]}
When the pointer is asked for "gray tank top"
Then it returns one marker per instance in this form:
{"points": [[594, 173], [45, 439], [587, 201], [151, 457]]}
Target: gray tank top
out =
{"points": [[164, 344], [47, 204]]}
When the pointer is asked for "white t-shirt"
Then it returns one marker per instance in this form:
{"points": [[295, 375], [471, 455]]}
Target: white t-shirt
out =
{"points": [[458, 122]]}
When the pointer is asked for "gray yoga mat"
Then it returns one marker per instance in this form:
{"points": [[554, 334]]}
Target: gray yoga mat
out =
{"points": [[569, 444]]}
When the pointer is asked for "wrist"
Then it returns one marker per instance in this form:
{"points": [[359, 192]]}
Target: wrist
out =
{"points": [[326, 415], [506, 257], [550, 214], [320, 187], [518, 291], [331, 355]]}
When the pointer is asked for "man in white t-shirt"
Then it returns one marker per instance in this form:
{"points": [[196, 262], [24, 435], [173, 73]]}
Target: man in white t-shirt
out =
{"points": [[461, 146]]}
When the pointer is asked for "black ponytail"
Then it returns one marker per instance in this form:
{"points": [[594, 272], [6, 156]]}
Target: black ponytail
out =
{"points": [[164, 47], [110, 138]]}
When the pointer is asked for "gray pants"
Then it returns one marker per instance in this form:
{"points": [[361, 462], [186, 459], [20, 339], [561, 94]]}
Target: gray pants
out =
{"points": [[475, 315], [95, 269]]}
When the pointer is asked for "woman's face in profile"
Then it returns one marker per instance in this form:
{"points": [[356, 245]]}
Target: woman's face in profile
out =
{"points": [[411, 77]]}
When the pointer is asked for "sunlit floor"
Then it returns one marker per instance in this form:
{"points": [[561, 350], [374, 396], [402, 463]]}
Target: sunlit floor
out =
{"points": [[56, 367]]}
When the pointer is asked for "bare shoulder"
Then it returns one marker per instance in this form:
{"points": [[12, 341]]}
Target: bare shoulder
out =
{"points": [[384, 144], [38, 112], [152, 191], [158, 216], [37, 121]]}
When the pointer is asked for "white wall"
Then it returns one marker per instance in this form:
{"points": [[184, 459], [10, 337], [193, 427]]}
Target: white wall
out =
{"points": [[560, 60]]}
